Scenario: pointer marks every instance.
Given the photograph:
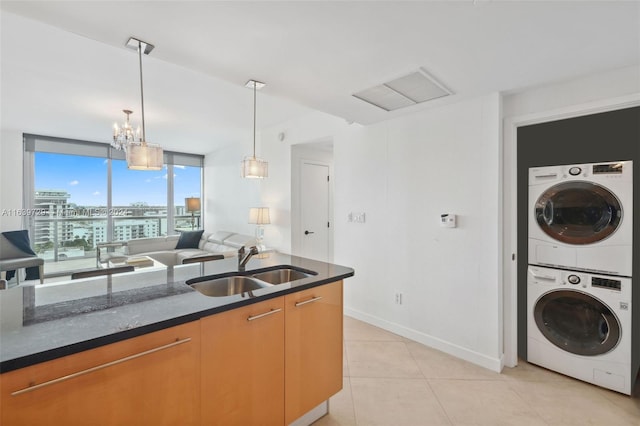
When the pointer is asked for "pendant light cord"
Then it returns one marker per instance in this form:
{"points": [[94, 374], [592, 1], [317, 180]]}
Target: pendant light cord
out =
{"points": [[254, 119], [144, 138]]}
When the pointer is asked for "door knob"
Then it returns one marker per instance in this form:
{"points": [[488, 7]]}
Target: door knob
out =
{"points": [[308, 232]]}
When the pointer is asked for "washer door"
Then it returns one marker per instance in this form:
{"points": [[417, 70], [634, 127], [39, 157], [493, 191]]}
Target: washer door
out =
{"points": [[577, 322], [578, 212]]}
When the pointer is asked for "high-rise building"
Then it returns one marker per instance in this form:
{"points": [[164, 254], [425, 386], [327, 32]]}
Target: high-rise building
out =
{"points": [[50, 223]]}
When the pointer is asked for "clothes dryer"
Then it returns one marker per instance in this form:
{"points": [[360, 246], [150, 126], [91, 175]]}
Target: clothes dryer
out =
{"points": [[580, 217], [579, 324]]}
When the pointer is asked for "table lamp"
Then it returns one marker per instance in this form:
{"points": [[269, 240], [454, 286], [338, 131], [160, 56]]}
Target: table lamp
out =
{"points": [[259, 216], [192, 205]]}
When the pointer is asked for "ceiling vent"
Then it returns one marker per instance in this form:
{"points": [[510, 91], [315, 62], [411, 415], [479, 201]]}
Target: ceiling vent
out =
{"points": [[411, 89]]}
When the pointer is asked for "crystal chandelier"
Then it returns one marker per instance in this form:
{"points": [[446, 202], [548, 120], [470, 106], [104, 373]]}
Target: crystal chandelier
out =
{"points": [[251, 166], [124, 135]]}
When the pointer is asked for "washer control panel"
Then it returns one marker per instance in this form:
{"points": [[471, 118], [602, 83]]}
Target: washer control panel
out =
{"points": [[606, 283]]}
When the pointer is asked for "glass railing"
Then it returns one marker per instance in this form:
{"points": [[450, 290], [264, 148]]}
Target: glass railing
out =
{"points": [[69, 244]]}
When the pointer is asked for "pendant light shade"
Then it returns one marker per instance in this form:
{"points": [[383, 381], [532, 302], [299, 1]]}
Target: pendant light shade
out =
{"points": [[253, 167], [144, 156]]}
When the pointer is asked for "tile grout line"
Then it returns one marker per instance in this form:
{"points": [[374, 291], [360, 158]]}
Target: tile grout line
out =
{"points": [[353, 404], [435, 395]]}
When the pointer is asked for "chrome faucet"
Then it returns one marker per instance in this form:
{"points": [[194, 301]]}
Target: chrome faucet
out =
{"points": [[244, 258]]}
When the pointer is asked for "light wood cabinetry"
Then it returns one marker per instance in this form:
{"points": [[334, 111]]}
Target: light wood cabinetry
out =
{"points": [[313, 348], [148, 380], [243, 365], [263, 364]]}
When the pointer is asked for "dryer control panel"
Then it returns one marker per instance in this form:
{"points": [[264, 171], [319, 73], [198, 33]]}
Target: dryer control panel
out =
{"points": [[606, 283]]}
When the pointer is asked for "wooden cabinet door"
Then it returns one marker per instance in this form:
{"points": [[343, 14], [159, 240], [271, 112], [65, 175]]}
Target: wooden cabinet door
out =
{"points": [[313, 348], [148, 380], [243, 366]]}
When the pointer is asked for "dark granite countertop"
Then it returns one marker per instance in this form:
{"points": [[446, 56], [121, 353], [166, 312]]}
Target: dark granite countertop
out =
{"points": [[42, 322]]}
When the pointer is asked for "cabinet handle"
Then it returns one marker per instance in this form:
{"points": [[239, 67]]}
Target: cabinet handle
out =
{"points": [[99, 367], [271, 312], [315, 299]]}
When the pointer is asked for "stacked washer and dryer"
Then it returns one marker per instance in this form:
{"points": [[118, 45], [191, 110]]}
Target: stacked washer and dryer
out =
{"points": [[579, 274]]}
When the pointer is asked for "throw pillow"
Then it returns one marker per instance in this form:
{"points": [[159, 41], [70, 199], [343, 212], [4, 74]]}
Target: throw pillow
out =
{"points": [[189, 239]]}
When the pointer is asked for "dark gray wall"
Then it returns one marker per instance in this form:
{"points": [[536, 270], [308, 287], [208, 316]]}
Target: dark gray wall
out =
{"points": [[609, 136]]}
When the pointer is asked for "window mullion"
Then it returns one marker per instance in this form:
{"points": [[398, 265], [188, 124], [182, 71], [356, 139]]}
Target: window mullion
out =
{"points": [[109, 200], [170, 203]]}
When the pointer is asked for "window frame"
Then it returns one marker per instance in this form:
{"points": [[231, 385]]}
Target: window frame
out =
{"points": [[33, 144]]}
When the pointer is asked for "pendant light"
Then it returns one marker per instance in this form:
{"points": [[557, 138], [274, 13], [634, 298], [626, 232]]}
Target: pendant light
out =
{"points": [[142, 155], [253, 167]]}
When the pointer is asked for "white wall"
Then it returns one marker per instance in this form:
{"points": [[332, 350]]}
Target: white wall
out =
{"points": [[276, 190], [228, 196], [403, 174], [582, 91], [11, 156]]}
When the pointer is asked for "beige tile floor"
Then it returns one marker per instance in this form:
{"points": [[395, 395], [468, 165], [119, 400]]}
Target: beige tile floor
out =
{"points": [[393, 381]]}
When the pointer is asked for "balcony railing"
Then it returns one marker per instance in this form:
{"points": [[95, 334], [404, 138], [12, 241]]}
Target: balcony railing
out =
{"points": [[69, 243]]}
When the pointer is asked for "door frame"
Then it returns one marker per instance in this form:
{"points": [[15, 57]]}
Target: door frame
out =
{"points": [[510, 213], [305, 153]]}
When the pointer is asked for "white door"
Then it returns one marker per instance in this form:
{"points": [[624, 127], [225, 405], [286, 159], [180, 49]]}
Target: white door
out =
{"points": [[314, 202]]}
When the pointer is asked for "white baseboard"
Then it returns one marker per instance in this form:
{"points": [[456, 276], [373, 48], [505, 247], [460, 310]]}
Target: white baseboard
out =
{"points": [[493, 364]]}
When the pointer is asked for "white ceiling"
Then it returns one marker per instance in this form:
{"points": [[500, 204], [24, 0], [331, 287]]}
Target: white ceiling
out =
{"points": [[315, 55]]}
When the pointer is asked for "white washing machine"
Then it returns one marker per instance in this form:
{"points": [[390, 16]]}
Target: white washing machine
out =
{"points": [[579, 324], [580, 217]]}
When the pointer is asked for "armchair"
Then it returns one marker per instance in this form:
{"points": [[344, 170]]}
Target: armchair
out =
{"points": [[16, 253]]}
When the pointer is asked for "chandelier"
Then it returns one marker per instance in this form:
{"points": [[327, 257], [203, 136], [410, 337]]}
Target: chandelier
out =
{"points": [[124, 135]]}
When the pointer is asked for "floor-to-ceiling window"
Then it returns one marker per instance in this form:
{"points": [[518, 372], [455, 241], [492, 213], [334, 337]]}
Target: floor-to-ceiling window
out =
{"points": [[82, 194], [187, 197]]}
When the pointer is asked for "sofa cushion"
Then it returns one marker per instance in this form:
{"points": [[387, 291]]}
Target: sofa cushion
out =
{"points": [[189, 253], [144, 245], [220, 249], [166, 257], [219, 236], [203, 239], [189, 240], [239, 240]]}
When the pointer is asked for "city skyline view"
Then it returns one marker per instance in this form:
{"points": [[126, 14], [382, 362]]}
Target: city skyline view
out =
{"points": [[85, 180]]}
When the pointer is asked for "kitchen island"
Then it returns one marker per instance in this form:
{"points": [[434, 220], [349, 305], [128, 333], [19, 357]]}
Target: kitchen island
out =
{"points": [[77, 323]]}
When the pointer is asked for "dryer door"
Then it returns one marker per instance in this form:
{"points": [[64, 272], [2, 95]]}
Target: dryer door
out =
{"points": [[577, 322], [578, 212]]}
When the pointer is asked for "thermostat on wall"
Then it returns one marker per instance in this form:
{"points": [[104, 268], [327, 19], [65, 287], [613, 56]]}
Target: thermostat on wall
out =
{"points": [[448, 220]]}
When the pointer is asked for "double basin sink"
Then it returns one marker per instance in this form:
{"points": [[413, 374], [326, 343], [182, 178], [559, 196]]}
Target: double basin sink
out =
{"points": [[230, 284]]}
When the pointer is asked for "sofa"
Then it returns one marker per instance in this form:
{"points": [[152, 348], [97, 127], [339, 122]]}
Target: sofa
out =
{"points": [[177, 249]]}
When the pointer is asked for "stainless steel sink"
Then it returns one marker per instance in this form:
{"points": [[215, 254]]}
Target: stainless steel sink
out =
{"points": [[228, 286], [279, 276]]}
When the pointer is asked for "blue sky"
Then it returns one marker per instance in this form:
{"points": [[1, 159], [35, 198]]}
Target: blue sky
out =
{"points": [[85, 179]]}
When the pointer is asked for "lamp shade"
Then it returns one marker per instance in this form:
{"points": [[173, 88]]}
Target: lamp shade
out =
{"points": [[255, 168], [259, 215], [192, 204], [144, 156]]}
